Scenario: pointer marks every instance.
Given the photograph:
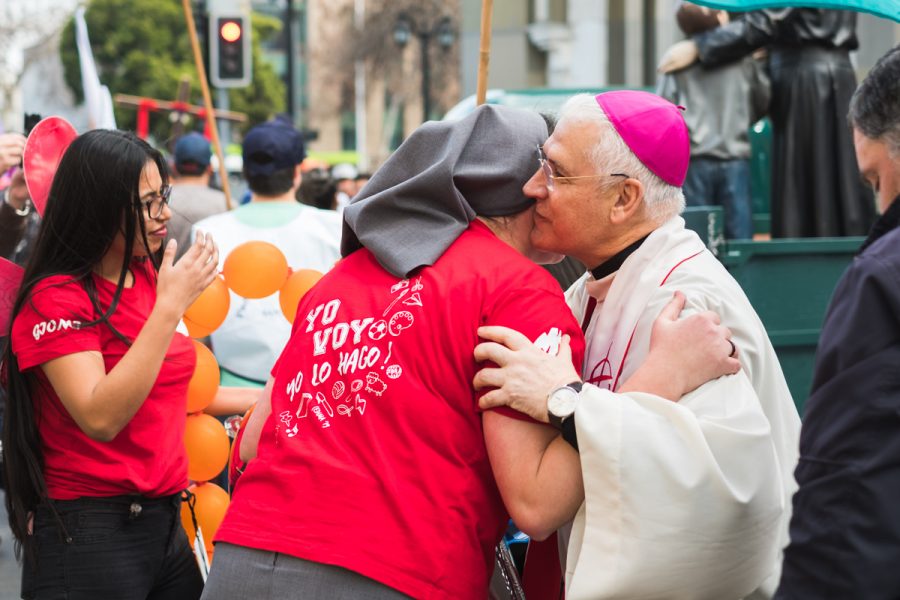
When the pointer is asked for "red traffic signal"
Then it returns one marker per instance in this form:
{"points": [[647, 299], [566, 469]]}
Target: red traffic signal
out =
{"points": [[231, 31], [230, 64]]}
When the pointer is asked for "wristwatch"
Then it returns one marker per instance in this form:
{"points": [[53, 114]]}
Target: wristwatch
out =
{"points": [[561, 403]]}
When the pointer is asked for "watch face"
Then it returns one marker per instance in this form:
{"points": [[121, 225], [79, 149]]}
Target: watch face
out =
{"points": [[562, 402]]}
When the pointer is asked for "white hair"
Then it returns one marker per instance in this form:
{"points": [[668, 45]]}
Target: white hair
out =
{"points": [[610, 154]]}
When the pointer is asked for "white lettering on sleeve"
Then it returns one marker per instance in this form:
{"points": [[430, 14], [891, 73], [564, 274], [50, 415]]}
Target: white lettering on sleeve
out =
{"points": [[52, 326]]}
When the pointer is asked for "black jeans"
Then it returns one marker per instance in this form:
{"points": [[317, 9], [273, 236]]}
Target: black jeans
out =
{"points": [[125, 547]]}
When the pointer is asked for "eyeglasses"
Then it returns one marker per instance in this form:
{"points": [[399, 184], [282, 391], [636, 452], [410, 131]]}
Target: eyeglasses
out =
{"points": [[155, 203], [552, 177]]}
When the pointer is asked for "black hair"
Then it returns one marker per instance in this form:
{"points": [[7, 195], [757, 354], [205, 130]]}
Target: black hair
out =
{"points": [[191, 168], [275, 184], [318, 189], [874, 107], [94, 196]]}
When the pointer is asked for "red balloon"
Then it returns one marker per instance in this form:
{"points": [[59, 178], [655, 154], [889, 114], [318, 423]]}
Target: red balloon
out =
{"points": [[44, 148]]}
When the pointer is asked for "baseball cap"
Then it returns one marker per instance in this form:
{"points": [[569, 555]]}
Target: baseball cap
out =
{"points": [[272, 146], [653, 129], [192, 154]]}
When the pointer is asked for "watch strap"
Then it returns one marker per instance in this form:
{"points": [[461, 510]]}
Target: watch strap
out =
{"points": [[569, 433], [555, 421]]}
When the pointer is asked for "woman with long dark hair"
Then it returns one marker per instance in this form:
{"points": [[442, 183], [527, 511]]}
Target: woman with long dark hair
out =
{"points": [[96, 379]]}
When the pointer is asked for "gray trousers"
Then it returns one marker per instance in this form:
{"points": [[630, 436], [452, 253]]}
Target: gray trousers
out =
{"points": [[240, 573]]}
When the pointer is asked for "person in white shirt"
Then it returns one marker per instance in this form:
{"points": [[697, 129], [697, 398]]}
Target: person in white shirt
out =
{"points": [[255, 331]]}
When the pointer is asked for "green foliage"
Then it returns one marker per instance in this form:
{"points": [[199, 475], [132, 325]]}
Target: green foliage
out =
{"points": [[142, 48]]}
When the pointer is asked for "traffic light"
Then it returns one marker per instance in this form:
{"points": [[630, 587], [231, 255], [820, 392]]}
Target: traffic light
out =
{"points": [[229, 49]]}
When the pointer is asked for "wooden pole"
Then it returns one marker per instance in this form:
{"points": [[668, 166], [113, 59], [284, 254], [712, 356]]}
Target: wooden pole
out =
{"points": [[127, 100], [487, 9], [207, 101]]}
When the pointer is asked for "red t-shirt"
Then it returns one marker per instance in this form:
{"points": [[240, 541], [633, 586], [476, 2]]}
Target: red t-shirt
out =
{"points": [[374, 457], [148, 456]]}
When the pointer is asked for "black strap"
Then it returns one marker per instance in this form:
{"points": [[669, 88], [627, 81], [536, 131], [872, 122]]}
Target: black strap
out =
{"points": [[569, 433], [190, 499]]}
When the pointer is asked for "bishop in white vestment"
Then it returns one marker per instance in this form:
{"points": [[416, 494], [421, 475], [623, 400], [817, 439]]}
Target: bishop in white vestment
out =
{"points": [[689, 499], [686, 489]]}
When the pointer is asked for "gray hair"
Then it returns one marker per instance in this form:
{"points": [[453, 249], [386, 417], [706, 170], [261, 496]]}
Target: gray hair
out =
{"points": [[875, 108], [612, 155]]}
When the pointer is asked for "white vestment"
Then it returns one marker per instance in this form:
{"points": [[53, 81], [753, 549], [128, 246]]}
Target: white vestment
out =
{"points": [[682, 500]]}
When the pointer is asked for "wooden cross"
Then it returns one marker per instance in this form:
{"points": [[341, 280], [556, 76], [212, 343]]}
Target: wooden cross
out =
{"points": [[147, 105]]}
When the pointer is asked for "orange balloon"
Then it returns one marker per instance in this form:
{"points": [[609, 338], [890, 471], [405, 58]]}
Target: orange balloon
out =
{"points": [[293, 290], [255, 269], [207, 446], [204, 382], [195, 331], [209, 508], [209, 309]]}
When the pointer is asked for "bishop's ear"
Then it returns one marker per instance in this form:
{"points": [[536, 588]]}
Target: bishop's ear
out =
{"points": [[630, 200]]}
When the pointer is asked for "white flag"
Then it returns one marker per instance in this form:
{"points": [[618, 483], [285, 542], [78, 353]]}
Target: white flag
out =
{"points": [[96, 96]]}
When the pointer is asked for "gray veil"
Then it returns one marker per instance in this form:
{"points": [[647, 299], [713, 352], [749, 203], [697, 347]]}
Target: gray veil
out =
{"points": [[438, 180]]}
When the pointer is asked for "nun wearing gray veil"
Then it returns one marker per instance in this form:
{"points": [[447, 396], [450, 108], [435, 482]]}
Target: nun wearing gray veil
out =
{"points": [[378, 475]]}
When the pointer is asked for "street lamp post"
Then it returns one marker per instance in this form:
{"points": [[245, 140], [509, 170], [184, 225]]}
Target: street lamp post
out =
{"points": [[442, 31], [290, 74]]}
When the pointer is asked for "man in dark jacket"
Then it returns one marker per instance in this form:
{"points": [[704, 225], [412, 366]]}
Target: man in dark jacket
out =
{"points": [[845, 530]]}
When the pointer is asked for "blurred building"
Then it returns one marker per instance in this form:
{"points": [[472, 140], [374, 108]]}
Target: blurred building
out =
{"points": [[595, 43], [344, 45], [535, 44]]}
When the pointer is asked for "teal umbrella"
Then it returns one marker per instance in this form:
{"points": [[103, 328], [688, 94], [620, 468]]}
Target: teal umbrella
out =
{"points": [[889, 9]]}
